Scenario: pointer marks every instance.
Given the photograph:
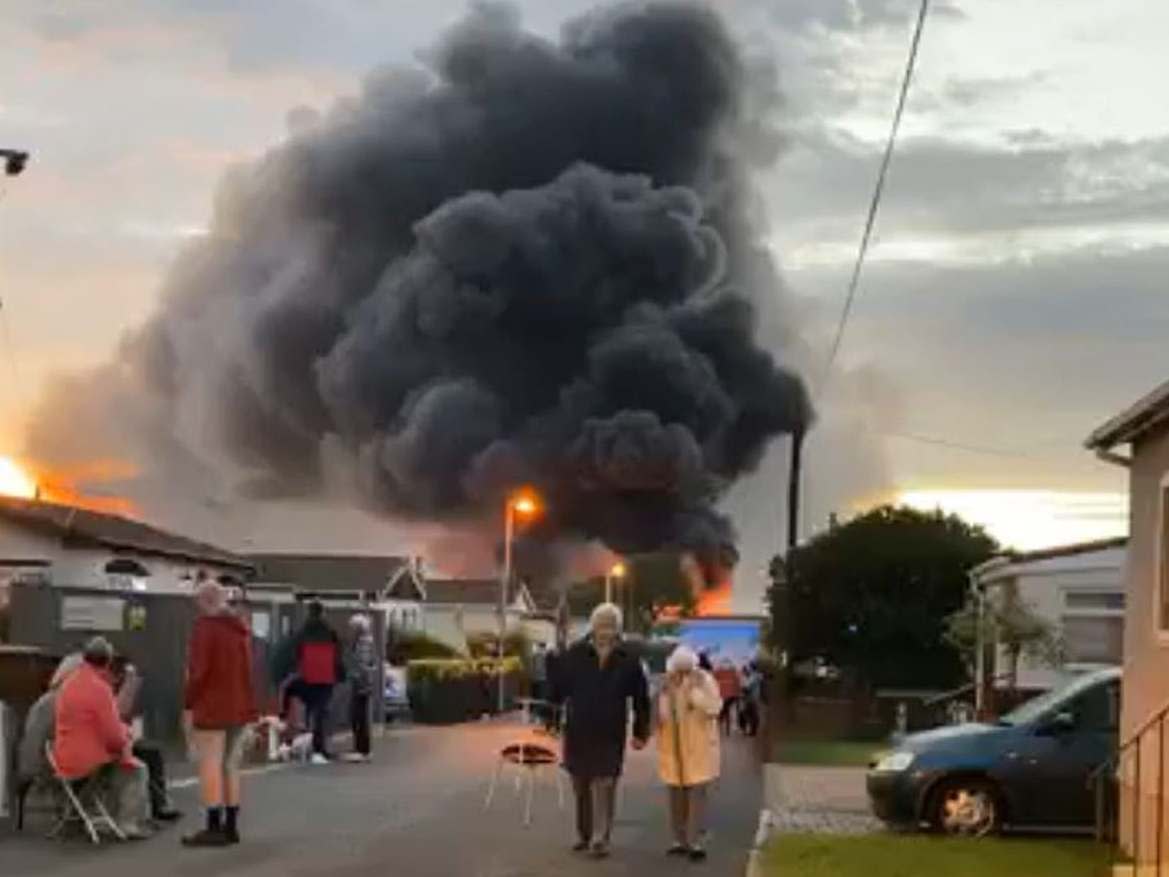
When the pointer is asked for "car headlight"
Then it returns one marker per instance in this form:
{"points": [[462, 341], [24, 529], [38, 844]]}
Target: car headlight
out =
{"points": [[894, 762]]}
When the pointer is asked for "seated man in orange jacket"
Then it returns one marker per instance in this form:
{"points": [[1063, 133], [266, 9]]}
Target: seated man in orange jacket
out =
{"points": [[90, 738]]}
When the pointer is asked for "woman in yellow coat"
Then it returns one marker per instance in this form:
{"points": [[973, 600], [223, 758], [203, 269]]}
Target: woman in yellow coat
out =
{"points": [[688, 746]]}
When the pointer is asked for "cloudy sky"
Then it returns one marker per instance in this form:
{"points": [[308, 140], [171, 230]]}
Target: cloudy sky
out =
{"points": [[1014, 296]]}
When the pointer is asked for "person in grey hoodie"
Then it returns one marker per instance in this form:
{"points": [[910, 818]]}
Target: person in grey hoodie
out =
{"points": [[362, 658]]}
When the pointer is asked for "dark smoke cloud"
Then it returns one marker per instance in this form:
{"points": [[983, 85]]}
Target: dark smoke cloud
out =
{"points": [[534, 262]]}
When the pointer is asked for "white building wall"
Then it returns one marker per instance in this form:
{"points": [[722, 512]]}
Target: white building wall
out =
{"points": [[21, 543], [85, 566], [1046, 585]]}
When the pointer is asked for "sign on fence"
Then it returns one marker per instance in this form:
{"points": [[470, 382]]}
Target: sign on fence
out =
{"points": [[92, 613]]}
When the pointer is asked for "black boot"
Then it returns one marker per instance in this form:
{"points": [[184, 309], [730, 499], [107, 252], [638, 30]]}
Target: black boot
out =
{"points": [[211, 836], [231, 829]]}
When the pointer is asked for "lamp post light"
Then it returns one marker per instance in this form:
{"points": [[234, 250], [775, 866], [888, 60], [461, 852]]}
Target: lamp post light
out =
{"points": [[616, 571], [526, 505]]}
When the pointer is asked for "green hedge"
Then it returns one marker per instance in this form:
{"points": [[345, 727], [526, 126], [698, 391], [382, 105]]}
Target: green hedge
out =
{"points": [[445, 691], [416, 646], [486, 645]]}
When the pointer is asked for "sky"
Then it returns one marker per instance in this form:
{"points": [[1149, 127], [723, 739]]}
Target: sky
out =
{"points": [[1013, 298]]}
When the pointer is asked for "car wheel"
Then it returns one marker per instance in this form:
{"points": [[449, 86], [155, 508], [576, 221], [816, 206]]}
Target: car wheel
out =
{"points": [[966, 807]]}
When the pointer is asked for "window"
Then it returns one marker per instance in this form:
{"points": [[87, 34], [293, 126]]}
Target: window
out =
{"points": [[1092, 639], [1113, 600], [126, 574]]}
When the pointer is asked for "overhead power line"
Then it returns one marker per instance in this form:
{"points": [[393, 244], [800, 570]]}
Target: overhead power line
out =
{"points": [[958, 446], [875, 203]]}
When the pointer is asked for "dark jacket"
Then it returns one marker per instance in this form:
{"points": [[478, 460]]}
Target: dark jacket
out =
{"points": [[320, 658], [596, 700], [219, 691]]}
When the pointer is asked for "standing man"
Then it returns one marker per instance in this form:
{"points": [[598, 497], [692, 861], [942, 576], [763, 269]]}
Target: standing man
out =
{"points": [[595, 680], [540, 689], [730, 686], [219, 702], [320, 665], [363, 676]]}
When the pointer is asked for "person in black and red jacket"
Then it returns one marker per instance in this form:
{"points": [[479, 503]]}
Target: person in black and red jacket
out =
{"points": [[320, 665]]}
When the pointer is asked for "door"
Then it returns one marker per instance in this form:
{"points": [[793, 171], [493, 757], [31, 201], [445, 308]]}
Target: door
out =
{"points": [[1048, 768]]}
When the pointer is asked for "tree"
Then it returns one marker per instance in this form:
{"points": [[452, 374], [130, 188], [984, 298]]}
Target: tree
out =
{"points": [[1010, 623], [872, 595]]}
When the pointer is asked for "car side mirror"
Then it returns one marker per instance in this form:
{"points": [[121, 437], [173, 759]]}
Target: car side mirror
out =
{"points": [[1057, 724]]}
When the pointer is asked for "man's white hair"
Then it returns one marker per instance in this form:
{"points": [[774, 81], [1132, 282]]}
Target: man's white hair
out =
{"points": [[607, 611], [360, 621]]}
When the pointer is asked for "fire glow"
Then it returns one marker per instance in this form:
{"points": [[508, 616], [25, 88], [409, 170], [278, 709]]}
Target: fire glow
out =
{"points": [[15, 481], [72, 486]]}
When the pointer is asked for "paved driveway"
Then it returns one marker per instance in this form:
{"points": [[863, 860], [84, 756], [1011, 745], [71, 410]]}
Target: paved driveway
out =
{"points": [[416, 812], [822, 800]]}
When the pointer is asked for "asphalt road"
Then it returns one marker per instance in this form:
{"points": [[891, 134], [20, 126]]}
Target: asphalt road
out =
{"points": [[416, 811]]}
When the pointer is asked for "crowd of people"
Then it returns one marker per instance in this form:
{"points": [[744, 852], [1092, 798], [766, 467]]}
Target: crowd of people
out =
{"points": [[82, 728]]}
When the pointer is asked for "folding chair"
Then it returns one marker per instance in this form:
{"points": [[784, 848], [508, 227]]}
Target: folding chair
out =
{"points": [[73, 810], [529, 758]]}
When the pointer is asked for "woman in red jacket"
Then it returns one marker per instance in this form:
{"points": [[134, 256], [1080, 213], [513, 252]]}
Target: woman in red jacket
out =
{"points": [[220, 703]]}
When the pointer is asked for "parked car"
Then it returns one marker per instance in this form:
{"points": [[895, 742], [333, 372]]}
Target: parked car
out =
{"points": [[1031, 768]]}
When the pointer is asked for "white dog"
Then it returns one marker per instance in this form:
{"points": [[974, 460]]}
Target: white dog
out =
{"points": [[283, 744], [300, 748]]}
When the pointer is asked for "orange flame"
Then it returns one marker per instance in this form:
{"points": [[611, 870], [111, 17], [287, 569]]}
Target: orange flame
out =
{"points": [[715, 601], [72, 485]]}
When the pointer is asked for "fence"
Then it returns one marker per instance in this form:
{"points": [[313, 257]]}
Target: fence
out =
{"points": [[1130, 798], [151, 630]]}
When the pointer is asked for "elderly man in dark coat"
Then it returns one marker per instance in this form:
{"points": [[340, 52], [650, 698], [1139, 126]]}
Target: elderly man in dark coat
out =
{"points": [[596, 679]]}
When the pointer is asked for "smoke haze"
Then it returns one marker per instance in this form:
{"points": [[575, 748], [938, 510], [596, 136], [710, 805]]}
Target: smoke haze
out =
{"points": [[530, 263]]}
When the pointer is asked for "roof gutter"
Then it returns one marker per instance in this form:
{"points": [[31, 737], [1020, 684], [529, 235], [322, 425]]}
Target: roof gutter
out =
{"points": [[1116, 459]]}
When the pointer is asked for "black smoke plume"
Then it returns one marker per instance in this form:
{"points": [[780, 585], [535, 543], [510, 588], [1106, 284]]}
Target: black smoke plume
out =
{"points": [[531, 263]]}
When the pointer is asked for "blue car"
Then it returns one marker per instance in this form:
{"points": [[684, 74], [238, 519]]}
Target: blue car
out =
{"points": [[1030, 769]]}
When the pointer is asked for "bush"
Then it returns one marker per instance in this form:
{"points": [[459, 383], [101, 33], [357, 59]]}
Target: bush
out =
{"points": [[448, 691], [485, 644], [410, 646]]}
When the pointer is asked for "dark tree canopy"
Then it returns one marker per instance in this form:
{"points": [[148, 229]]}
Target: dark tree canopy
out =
{"points": [[873, 595]]}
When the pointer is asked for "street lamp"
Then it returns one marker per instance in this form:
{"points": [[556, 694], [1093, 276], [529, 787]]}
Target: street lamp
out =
{"points": [[617, 571], [526, 505]]}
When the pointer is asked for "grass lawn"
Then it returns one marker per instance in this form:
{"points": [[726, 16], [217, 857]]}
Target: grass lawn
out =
{"points": [[832, 753], [925, 856]]}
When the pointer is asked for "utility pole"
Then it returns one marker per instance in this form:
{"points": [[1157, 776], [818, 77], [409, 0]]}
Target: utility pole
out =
{"points": [[780, 571]]}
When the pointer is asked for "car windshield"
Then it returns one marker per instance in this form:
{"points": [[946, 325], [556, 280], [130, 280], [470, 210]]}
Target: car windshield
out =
{"points": [[1046, 703]]}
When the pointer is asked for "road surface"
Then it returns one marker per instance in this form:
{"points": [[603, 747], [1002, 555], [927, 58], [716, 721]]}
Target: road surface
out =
{"points": [[416, 811]]}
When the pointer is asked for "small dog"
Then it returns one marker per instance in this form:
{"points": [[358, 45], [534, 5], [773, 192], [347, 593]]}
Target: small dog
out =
{"points": [[292, 744], [298, 748]]}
